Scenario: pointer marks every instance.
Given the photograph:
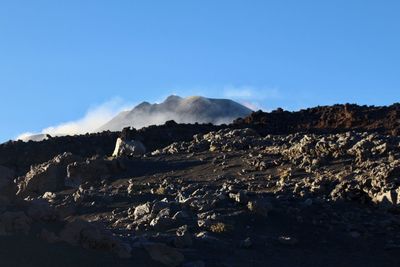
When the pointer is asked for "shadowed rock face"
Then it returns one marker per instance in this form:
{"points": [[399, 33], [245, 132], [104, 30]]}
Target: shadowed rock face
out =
{"points": [[182, 110]]}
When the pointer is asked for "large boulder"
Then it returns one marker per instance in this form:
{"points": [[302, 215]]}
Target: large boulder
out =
{"points": [[128, 148], [46, 177]]}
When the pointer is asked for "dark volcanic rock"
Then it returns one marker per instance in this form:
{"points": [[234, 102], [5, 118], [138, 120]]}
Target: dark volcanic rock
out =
{"points": [[326, 119]]}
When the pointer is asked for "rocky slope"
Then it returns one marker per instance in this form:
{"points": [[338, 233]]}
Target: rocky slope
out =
{"points": [[327, 119], [316, 192]]}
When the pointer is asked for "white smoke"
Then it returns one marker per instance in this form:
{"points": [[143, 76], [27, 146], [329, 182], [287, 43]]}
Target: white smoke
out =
{"points": [[89, 123], [252, 97], [108, 116]]}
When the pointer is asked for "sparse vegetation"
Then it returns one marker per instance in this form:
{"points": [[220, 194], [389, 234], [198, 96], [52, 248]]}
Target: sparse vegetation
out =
{"points": [[220, 227]]}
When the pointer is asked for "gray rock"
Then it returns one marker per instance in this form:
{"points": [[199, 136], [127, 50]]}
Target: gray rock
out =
{"points": [[128, 148], [49, 176], [142, 210]]}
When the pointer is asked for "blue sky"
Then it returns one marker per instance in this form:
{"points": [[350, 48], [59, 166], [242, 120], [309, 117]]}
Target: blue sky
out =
{"points": [[60, 60]]}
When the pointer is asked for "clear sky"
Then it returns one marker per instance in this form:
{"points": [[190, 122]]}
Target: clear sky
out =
{"points": [[59, 59]]}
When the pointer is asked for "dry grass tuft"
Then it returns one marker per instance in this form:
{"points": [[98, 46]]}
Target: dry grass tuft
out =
{"points": [[220, 227]]}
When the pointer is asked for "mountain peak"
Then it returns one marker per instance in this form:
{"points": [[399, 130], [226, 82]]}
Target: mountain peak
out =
{"points": [[173, 98], [191, 109], [142, 105]]}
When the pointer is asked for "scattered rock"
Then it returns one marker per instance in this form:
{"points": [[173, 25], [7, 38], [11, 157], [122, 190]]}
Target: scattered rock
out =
{"points": [[142, 210]]}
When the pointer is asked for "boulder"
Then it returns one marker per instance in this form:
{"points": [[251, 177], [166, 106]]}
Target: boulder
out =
{"points": [[47, 177], [142, 210], [128, 148]]}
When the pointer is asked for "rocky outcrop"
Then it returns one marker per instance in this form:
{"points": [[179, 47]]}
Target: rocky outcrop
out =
{"points": [[49, 176]]}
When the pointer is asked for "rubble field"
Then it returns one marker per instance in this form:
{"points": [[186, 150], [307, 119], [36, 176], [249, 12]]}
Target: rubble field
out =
{"points": [[225, 198]]}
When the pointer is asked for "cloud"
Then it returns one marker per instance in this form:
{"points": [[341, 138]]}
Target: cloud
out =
{"points": [[252, 105], [252, 97], [251, 93], [92, 120]]}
